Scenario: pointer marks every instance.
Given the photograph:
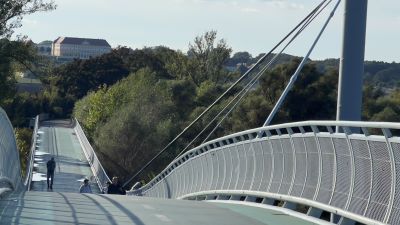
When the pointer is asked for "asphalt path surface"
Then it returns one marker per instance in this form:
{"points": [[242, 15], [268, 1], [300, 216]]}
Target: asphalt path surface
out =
{"points": [[57, 139], [48, 208]]}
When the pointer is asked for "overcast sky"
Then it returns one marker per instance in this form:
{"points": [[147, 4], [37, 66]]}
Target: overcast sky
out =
{"points": [[247, 25]]}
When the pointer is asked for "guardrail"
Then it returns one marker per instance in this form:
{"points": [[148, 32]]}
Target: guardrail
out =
{"points": [[10, 169], [97, 169], [351, 176], [30, 163]]}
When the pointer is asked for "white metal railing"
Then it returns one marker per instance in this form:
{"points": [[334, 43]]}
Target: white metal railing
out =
{"points": [[97, 169], [348, 174], [31, 160], [10, 169]]}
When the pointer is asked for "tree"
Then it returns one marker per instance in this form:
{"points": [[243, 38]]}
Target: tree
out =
{"points": [[137, 129], [12, 11], [312, 97], [23, 137], [207, 58], [76, 79], [382, 107], [15, 53], [239, 58], [12, 53]]}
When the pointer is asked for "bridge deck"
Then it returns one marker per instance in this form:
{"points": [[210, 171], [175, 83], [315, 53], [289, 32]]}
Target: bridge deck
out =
{"points": [[71, 208], [57, 138], [60, 206]]}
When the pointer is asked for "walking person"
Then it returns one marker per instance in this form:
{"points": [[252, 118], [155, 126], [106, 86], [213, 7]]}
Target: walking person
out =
{"points": [[85, 187], [105, 188], [51, 166], [115, 187]]}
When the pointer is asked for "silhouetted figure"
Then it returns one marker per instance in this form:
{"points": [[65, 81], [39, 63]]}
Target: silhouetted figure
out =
{"points": [[51, 166], [115, 187], [105, 190], [85, 187]]}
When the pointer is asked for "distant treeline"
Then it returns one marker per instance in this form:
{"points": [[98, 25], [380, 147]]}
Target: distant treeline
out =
{"points": [[380, 74]]}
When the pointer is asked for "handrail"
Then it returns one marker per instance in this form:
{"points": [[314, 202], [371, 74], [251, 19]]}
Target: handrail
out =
{"points": [[327, 164], [256, 131], [29, 168], [6, 185], [10, 169], [95, 164], [287, 198]]}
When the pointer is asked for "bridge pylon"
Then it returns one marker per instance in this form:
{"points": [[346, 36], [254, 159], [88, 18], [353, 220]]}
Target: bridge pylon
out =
{"points": [[351, 71]]}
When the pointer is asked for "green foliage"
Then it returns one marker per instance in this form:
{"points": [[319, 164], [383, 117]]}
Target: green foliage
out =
{"points": [[207, 92], [207, 58], [16, 56], [12, 53], [23, 137], [312, 97], [22, 108], [239, 58], [76, 79], [385, 107], [130, 120], [97, 106], [12, 11], [251, 113], [183, 94]]}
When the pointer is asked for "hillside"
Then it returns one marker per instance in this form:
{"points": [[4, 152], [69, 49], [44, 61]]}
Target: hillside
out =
{"points": [[380, 74]]}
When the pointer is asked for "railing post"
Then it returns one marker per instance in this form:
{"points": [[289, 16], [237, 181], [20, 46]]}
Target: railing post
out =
{"points": [[317, 189], [348, 131], [388, 134]]}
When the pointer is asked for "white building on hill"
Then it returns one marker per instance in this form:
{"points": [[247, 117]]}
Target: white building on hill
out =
{"points": [[80, 48]]}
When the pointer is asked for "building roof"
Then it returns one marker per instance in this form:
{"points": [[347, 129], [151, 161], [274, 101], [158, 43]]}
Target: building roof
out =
{"points": [[81, 41], [45, 43]]}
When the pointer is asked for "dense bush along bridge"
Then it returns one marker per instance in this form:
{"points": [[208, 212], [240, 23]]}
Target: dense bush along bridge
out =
{"points": [[313, 172]]}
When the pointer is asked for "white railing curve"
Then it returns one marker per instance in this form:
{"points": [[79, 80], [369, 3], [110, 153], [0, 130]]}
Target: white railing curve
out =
{"points": [[31, 159], [97, 169], [10, 169], [350, 175]]}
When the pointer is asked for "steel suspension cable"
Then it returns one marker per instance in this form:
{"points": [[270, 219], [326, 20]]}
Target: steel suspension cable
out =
{"points": [[227, 91], [248, 86], [299, 68], [257, 77]]}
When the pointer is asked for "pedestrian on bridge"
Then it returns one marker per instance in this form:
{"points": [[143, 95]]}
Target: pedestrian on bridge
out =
{"points": [[115, 187], [105, 188], [51, 166], [85, 187]]}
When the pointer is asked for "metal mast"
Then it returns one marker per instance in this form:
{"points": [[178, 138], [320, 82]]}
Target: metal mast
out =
{"points": [[352, 61]]}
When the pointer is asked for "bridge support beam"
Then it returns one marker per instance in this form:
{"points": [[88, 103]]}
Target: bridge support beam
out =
{"points": [[345, 221], [335, 218], [352, 61], [314, 212]]}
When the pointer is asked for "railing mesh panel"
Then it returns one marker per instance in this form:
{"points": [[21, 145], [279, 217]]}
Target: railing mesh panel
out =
{"points": [[346, 172], [288, 166], [249, 165], [259, 166]]}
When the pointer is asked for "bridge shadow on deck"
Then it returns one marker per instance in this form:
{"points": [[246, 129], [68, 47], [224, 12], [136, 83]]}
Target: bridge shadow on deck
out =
{"points": [[67, 123], [64, 208]]}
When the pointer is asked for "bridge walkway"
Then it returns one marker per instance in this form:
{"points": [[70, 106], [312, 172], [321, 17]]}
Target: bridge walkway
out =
{"points": [[64, 205], [58, 139], [48, 208]]}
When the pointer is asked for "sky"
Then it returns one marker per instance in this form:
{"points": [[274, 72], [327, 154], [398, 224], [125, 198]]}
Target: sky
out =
{"points": [[254, 26]]}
